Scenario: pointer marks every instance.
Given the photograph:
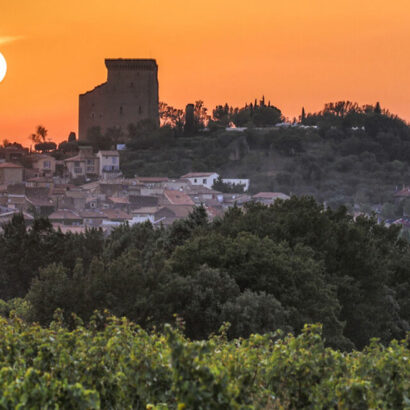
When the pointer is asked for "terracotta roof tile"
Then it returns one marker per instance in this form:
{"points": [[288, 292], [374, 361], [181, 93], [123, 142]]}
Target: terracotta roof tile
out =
{"points": [[10, 165], [178, 198], [198, 174], [270, 195]]}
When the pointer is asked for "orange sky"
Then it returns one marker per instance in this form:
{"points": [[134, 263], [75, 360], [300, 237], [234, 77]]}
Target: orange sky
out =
{"points": [[295, 52]]}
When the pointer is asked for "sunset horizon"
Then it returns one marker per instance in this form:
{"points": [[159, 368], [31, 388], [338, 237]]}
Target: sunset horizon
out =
{"points": [[303, 54]]}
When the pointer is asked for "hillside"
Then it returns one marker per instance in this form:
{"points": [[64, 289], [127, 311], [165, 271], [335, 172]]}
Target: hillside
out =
{"points": [[357, 158]]}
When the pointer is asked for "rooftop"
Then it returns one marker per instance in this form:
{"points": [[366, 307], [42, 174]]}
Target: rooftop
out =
{"points": [[153, 179], [270, 195], [198, 174], [146, 210], [109, 153], [10, 165], [119, 200], [70, 229], [180, 211], [405, 192], [64, 214], [130, 63], [116, 214], [178, 198]]}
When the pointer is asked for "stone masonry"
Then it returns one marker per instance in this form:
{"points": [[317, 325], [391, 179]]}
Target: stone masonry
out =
{"points": [[129, 95]]}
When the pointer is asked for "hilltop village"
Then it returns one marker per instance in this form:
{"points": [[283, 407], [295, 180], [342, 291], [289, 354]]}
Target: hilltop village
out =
{"points": [[88, 190], [85, 188], [345, 155]]}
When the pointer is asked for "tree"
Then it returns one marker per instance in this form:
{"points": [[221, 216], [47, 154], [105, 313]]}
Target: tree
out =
{"points": [[199, 299], [98, 140], [40, 135], [254, 312], [45, 146], [201, 116], [52, 289], [260, 115], [190, 126], [222, 115], [170, 116], [115, 135], [303, 116]]}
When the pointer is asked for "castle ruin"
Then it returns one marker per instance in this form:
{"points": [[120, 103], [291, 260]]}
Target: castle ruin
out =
{"points": [[129, 95]]}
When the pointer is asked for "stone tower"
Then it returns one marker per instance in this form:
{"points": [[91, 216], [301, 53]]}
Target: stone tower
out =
{"points": [[129, 95]]}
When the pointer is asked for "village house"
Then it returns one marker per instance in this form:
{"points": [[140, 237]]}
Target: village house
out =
{"points": [[92, 218], [92, 202], [11, 173], [269, 198], [84, 165], [237, 181], [229, 200], [404, 193], [112, 188], [74, 199], [143, 201], [177, 184], [38, 201], [115, 217], [40, 182], [206, 179], [65, 217], [153, 182], [13, 153], [200, 194], [144, 214], [44, 165], [166, 215], [109, 164], [16, 201], [74, 229], [178, 198], [119, 202]]}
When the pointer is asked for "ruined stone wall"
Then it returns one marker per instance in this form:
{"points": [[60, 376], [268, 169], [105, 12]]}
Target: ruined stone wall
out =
{"points": [[129, 95]]}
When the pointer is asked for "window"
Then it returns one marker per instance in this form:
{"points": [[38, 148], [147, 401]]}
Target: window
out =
{"points": [[47, 164], [114, 160], [78, 170], [195, 180], [204, 181], [90, 162]]}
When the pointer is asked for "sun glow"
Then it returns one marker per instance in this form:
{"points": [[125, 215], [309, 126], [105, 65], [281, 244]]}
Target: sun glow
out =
{"points": [[3, 67]]}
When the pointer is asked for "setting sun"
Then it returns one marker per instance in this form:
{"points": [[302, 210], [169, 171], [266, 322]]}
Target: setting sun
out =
{"points": [[3, 67]]}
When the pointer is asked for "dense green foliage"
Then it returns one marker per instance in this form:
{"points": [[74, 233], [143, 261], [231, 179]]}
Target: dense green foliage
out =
{"points": [[260, 268], [113, 363]]}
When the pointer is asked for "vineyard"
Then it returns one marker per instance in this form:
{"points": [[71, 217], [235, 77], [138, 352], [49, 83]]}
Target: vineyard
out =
{"points": [[113, 363]]}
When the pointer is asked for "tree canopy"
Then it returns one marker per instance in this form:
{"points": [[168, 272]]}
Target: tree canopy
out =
{"points": [[260, 268]]}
